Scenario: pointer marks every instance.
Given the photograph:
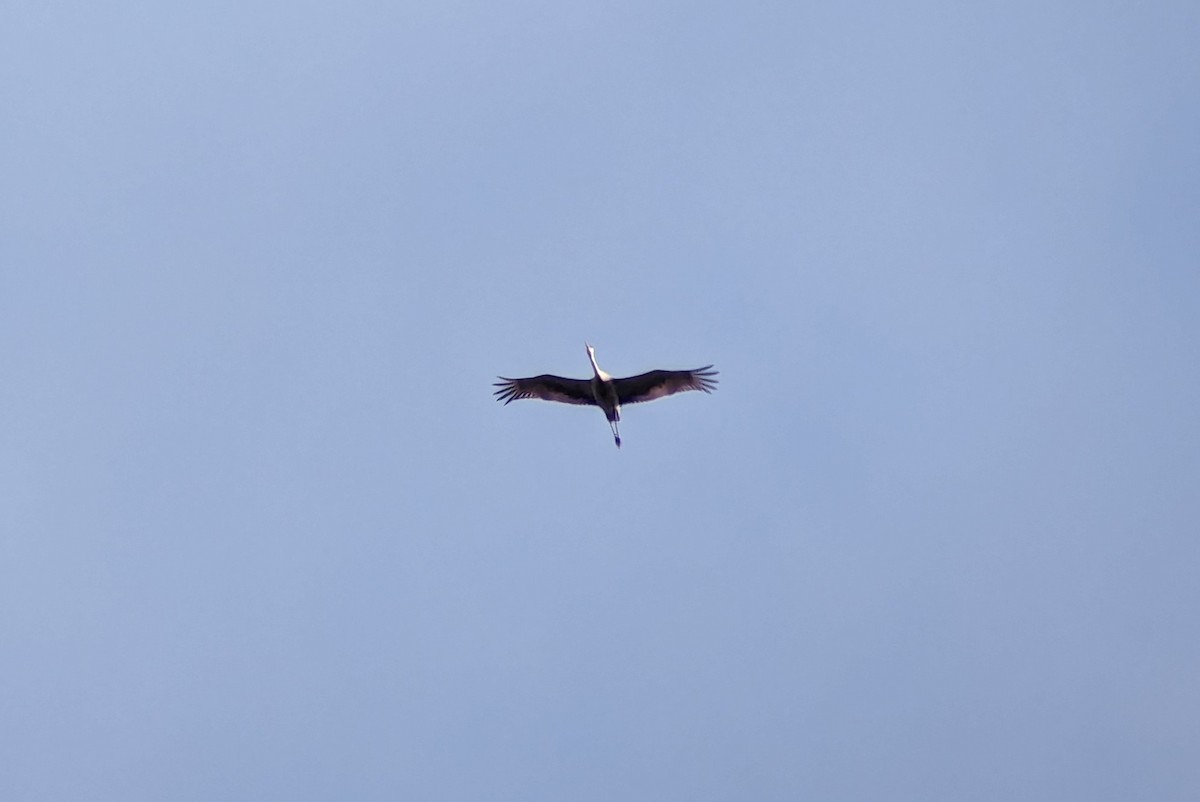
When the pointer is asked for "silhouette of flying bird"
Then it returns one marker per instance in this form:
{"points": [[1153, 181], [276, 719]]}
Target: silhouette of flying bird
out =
{"points": [[603, 391]]}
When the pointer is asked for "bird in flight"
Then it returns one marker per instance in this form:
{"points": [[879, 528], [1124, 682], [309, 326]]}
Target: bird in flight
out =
{"points": [[603, 391]]}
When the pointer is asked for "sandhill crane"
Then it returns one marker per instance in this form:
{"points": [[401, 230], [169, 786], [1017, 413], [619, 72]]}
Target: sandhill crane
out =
{"points": [[603, 391]]}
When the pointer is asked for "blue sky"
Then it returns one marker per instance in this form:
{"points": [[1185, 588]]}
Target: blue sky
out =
{"points": [[265, 534]]}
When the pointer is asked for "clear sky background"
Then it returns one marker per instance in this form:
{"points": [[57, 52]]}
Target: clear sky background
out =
{"points": [[265, 533]]}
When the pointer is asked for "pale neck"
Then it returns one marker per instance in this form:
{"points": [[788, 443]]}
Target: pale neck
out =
{"points": [[595, 367]]}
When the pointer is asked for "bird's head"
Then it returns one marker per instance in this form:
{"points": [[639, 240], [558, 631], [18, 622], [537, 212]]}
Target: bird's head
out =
{"points": [[591, 351]]}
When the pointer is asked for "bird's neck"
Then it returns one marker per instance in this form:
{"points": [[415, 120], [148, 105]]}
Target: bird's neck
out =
{"points": [[596, 368]]}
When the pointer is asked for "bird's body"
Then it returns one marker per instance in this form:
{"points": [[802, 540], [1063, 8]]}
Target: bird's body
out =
{"points": [[606, 392]]}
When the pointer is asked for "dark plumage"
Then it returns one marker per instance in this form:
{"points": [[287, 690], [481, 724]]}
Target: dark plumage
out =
{"points": [[603, 391]]}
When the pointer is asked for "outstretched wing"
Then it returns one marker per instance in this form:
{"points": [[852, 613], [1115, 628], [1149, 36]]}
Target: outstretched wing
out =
{"points": [[547, 388], [660, 383]]}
